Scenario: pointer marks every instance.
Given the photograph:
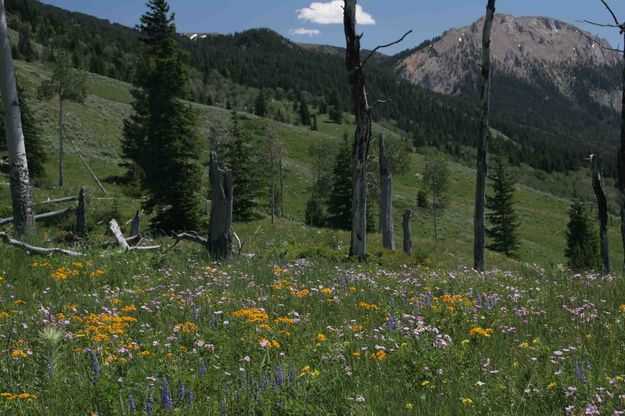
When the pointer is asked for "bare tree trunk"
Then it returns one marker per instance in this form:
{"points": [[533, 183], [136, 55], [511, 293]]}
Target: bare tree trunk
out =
{"points": [[435, 215], [602, 205], [407, 232], [81, 214], [61, 144], [386, 198], [21, 195], [362, 138], [482, 144], [273, 188], [220, 226], [281, 185], [621, 161], [119, 236], [135, 225]]}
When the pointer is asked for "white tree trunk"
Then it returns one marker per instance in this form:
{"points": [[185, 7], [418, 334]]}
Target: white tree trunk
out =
{"points": [[386, 198], [61, 144], [18, 165], [479, 233]]}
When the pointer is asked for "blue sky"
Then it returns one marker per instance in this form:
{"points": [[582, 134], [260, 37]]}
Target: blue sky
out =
{"points": [[312, 21]]}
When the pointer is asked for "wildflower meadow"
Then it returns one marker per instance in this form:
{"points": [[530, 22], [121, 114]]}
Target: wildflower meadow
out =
{"points": [[147, 334]]}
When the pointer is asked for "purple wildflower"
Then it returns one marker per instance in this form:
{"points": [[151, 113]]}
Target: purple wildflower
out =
{"points": [[131, 403], [166, 400], [181, 391], [95, 365], [190, 397], [202, 369]]}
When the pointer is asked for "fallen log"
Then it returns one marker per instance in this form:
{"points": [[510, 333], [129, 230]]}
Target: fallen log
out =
{"points": [[191, 237], [51, 214], [58, 201], [121, 240], [37, 250]]}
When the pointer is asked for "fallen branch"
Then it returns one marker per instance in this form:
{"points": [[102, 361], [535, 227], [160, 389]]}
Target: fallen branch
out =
{"points": [[195, 238], [117, 232], [37, 250], [51, 214], [58, 201]]}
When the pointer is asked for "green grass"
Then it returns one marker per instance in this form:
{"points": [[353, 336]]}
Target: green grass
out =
{"points": [[149, 315]]}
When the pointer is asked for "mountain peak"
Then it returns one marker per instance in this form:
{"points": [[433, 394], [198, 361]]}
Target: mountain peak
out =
{"points": [[519, 46]]}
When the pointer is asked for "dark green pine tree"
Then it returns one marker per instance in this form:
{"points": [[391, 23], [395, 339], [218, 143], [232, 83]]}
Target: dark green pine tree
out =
{"points": [[160, 139], [304, 113], [582, 248], [502, 217], [239, 156], [35, 152], [340, 200], [260, 105]]}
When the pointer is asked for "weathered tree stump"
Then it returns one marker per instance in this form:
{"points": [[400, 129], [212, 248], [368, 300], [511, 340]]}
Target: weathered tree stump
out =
{"points": [[602, 205], [220, 226], [81, 214], [135, 225], [386, 198], [407, 232]]}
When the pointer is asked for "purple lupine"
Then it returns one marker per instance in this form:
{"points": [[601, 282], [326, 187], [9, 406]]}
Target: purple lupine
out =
{"points": [[428, 298], [222, 407], [181, 391], [392, 302], [190, 397], [279, 376], [213, 320], [131, 403], [95, 365], [166, 400], [479, 300], [203, 370], [148, 405], [579, 372]]}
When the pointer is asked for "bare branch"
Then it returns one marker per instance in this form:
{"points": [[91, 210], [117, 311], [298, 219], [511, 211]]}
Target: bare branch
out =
{"points": [[596, 39], [607, 6], [378, 102], [37, 250], [600, 24], [377, 48], [190, 237]]}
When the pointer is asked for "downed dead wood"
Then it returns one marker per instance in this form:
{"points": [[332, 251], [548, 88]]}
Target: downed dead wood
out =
{"points": [[59, 201], [195, 238], [37, 250], [52, 214], [121, 240]]}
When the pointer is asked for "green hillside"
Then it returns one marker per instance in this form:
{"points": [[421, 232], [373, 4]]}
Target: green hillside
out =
{"points": [[96, 129]]}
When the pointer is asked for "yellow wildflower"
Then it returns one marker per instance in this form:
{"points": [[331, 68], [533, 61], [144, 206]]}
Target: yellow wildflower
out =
{"points": [[479, 331], [19, 354], [466, 401], [321, 338], [253, 315]]}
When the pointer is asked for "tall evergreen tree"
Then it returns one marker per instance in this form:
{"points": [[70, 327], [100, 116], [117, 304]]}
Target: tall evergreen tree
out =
{"points": [[240, 159], [502, 218], [68, 84], [35, 152], [160, 138], [340, 199], [304, 113], [260, 105], [582, 248]]}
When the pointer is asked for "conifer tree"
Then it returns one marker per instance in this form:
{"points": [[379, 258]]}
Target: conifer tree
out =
{"points": [[502, 217], [68, 84], [260, 105], [35, 153], [340, 199], [304, 113], [239, 158], [582, 249], [160, 138]]}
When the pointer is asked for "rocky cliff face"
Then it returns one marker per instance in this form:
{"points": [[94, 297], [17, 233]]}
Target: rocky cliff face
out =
{"points": [[524, 47]]}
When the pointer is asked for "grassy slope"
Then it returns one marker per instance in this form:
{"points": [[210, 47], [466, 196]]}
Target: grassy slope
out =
{"points": [[96, 127]]}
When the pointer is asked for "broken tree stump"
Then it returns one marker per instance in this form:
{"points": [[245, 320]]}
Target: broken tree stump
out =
{"points": [[407, 232], [81, 214], [220, 226]]}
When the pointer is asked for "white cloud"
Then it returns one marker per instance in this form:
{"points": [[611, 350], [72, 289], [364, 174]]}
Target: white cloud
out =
{"points": [[332, 13], [305, 32]]}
